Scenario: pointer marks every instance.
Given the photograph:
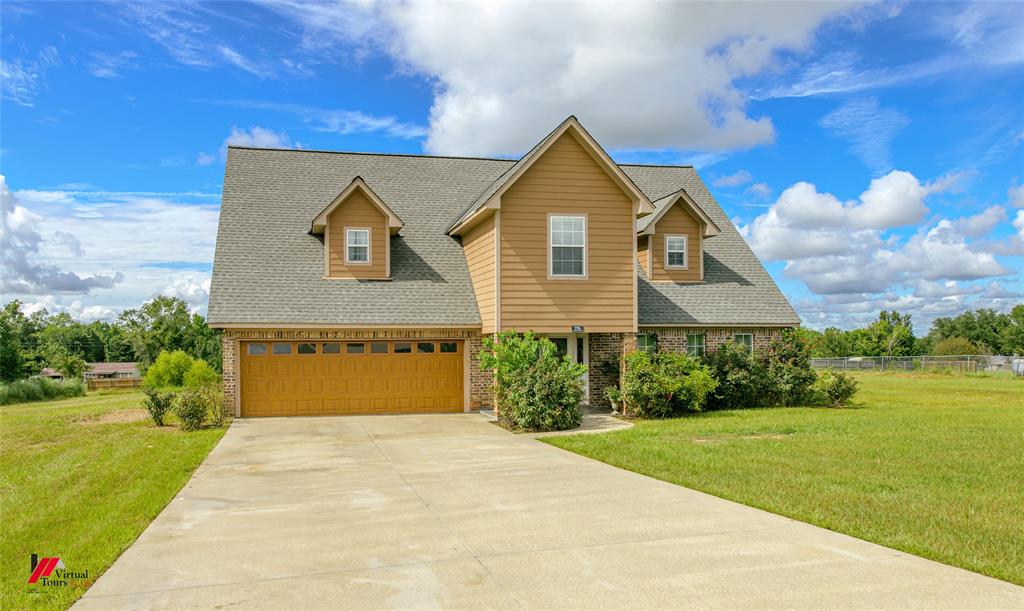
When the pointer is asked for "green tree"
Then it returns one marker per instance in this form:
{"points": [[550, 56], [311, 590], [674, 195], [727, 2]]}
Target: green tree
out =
{"points": [[891, 335], [985, 327], [834, 342], [116, 347], [954, 346], [205, 342], [69, 365], [11, 361], [155, 326], [1012, 340], [63, 335]]}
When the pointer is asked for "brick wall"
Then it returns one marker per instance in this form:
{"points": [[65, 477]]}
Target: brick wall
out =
{"points": [[602, 347], [229, 375], [674, 339], [479, 381]]}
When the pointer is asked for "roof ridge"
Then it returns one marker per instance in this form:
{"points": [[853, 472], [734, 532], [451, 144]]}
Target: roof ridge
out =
{"points": [[366, 153], [426, 156]]}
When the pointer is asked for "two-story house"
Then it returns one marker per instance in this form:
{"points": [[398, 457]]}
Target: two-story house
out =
{"points": [[361, 283]]}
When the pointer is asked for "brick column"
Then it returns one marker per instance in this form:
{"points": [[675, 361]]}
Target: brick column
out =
{"points": [[229, 374], [479, 381], [602, 347]]}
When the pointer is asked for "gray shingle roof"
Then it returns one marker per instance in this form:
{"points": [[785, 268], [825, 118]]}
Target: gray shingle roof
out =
{"points": [[268, 268]]}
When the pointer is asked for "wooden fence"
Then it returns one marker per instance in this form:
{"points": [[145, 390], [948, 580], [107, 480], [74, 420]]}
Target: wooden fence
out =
{"points": [[98, 383]]}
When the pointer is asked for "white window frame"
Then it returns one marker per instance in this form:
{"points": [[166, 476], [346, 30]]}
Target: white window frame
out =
{"points": [[369, 246], [551, 259], [686, 256], [736, 336], [690, 348], [651, 349]]}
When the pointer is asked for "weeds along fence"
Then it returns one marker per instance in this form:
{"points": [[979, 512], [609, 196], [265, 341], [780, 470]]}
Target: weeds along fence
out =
{"points": [[966, 363]]}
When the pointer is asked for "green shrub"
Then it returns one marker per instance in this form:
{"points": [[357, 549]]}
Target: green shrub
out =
{"points": [[169, 369], [780, 375], [788, 365], [954, 346], [664, 384], [535, 388], [742, 378], [200, 374], [157, 404], [833, 388], [39, 389], [192, 406]]}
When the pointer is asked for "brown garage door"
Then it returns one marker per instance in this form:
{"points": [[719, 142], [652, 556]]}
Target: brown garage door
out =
{"points": [[337, 378]]}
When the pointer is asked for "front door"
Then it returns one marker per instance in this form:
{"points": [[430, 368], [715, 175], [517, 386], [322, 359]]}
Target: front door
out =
{"points": [[576, 346]]}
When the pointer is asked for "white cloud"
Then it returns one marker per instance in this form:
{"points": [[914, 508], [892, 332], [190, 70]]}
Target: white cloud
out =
{"points": [[805, 223], [971, 37], [195, 291], [238, 60], [111, 65], [673, 65], [21, 79], [77, 310], [205, 159], [260, 137], [869, 128], [759, 189], [1016, 196], [154, 241], [980, 224], [836, 247], [341, 122], [741, 177], [26, 268]]}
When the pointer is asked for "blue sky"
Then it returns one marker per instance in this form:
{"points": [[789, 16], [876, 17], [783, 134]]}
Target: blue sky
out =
{"points": [[872, 154]]}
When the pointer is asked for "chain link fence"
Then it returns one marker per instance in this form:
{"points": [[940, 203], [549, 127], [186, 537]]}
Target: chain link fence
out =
{"points": [[966, 363]]}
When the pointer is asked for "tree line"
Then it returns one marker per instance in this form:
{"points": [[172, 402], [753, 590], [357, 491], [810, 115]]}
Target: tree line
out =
{"points": [[29, 342], [982, 331]]}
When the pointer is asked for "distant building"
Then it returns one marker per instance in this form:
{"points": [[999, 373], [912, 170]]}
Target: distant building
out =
{"points": [[96, 371], [53, 374]]}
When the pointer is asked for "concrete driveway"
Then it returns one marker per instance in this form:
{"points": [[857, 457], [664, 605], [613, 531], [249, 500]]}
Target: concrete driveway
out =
{"points": [[450, 511]]}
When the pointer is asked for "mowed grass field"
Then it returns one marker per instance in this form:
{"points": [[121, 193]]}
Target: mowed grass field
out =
{"points": [[927, 464], [81, 479]]}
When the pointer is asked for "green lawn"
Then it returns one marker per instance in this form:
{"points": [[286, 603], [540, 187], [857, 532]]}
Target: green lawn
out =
{"points": [[78, 484], [928, 464]]}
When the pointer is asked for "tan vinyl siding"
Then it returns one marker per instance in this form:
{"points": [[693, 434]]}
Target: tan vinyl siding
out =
{"points": [[642, 252], [357, 212], [676, 221], [567, 180], [478, 243]]}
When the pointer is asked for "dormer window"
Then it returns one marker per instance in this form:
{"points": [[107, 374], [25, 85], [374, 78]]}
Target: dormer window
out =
{"points": [[675, 251], [568, 246], [357, 245]]}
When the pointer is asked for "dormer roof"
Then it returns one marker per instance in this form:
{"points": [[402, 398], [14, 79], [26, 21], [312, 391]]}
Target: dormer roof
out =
{"points": [[395, 223], [646, 225]]}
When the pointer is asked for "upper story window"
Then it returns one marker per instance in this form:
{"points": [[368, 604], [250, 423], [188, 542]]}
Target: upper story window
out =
{"points": [[357, 245], [675, 251], [568, 246]]}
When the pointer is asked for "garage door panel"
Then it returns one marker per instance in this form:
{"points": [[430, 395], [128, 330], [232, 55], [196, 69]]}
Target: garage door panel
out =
{"points": [[350, 383]]}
